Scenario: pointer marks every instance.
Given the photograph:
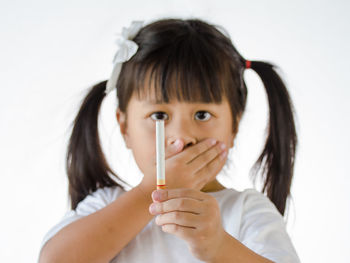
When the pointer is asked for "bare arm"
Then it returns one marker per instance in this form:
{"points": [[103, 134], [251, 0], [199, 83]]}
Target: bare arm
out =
{"points": [[100, 236]]}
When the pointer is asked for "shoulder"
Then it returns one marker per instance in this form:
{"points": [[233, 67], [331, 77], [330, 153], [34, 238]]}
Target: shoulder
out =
{"points": [[245, 208], [255, 202], [98, 199], [259, 214], [248, 201]]}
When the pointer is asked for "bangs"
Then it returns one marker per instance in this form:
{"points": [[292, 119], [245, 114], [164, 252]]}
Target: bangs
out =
{"points": [[186, 72]]}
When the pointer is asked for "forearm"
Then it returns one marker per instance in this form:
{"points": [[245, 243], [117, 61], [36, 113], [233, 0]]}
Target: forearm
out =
{"points": [[100, 236], [235, 251]]}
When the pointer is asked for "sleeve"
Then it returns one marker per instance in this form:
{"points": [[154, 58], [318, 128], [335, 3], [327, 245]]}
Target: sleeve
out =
{"points": [[263, 229], [92, 203]]}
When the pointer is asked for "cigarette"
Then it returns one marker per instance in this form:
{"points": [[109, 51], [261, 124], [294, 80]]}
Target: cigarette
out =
{"points": [[160, 155]]}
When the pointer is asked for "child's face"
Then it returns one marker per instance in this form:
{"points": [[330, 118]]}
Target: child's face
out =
{"points": [[191, 123]]}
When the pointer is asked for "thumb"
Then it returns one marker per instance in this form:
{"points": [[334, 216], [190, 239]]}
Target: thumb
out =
{"points": [[174, 148]]}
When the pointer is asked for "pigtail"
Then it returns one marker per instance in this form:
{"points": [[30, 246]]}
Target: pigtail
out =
{"points": [[277, 157], [86, 165]]}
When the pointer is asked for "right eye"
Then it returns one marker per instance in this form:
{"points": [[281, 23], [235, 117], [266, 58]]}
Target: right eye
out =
{"points": [[159, 115]]}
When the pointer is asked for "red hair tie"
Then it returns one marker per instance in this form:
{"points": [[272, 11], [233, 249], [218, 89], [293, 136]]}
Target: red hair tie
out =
{"points": [[247, 63]]}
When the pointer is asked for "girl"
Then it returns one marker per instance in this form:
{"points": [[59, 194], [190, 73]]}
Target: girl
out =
{"points": [[187, 73]]}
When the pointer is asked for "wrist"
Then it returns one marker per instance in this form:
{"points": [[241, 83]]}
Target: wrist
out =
{"points": [[145, 192], [222, 249]]}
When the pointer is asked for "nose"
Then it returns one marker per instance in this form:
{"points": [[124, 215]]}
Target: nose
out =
{"points": [[183, 130]]}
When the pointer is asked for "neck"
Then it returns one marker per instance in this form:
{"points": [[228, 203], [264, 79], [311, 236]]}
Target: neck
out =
{"points": [[213, 186]]}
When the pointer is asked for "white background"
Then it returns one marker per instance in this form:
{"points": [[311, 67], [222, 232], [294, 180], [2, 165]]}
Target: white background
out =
{"points": [[52, 51]]}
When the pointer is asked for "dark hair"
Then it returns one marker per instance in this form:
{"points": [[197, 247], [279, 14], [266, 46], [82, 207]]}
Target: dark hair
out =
{"points": [[192, 61]]}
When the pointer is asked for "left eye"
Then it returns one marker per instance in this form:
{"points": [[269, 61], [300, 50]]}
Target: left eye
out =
{"points": [[203, 115]]}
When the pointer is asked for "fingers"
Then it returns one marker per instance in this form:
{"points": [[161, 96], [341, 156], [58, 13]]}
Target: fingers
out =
{"points": [[183, 210], [206, 157], [194, 151], [179, 218], [179, 214], [174, 148], [208, 172], [182, 207], [202, 155], [171, 150], [180, 231], [191, 153], [183, 166], [179, 204], [167, 194]]}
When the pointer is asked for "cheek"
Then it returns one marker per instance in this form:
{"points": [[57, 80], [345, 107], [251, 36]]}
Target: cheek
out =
{"points": [[144, 146], [142, 133], [224, 133]]}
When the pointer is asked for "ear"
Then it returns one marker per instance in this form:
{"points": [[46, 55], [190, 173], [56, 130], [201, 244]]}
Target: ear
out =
{"points": [[121, 118]]}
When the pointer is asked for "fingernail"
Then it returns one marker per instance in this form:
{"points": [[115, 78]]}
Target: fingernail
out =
{"points": [[153, 209], [213, 142], [159, 195], [177, 143], [223, 146], [155, 195]]}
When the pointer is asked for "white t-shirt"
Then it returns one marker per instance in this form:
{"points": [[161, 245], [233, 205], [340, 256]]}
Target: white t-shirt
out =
{"points": [[248, 216]]}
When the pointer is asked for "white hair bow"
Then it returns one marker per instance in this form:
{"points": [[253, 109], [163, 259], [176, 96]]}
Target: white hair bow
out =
{"points": [[127, 48]]}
